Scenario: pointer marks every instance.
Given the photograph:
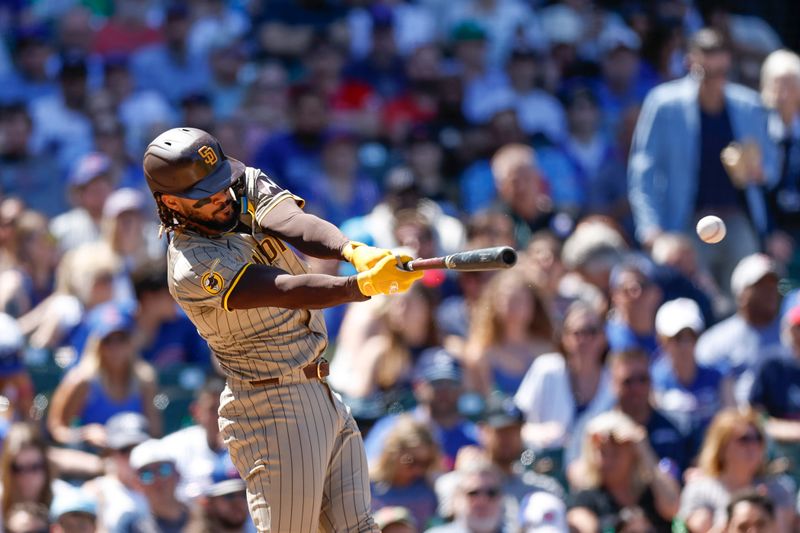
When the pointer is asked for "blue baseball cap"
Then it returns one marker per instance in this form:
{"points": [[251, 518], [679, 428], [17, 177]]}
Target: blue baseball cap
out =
{"points": [[109, 318], [88, 168], [225, 478], [72, 501], [436, 364], [12, 344]]}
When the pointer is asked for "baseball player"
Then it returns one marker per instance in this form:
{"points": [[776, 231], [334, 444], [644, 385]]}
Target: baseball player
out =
{"points": [[251, 297]]}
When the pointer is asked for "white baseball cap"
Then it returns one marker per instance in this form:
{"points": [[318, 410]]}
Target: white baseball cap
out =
{"points": [[542, 512], [149, 452], [679, 314], [750, 271]]}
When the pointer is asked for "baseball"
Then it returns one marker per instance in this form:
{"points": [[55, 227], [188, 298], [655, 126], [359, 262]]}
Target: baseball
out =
{"points": [[711, 229]]}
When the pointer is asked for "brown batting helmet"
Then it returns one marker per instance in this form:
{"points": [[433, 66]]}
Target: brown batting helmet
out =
{"points": [[190, 163]]}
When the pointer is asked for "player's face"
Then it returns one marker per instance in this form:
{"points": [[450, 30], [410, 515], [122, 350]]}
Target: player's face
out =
{"points": [[216, 213]]}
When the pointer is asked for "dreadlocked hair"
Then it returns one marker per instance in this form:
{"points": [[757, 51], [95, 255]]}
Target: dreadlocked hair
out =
{"points": [[169, 219]]}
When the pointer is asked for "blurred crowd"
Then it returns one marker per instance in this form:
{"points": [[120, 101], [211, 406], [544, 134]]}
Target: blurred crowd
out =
{"points": [[623, 377]]}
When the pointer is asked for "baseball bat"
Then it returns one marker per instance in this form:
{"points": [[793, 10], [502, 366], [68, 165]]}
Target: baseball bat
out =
{"points": [[495, 258]]}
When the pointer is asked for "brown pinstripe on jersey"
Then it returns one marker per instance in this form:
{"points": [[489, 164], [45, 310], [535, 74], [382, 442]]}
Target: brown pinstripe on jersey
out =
{"points": [[251, 344]]}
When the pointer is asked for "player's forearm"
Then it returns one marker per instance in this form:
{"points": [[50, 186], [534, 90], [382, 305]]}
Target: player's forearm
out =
{"points": [[264, 287], [308, 233]]}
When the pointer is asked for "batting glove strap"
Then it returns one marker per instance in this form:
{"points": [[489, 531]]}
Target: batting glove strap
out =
{"points": [[386, 278], [363, 257]]}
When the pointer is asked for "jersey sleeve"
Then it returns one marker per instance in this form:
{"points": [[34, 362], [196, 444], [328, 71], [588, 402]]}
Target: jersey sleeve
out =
{"points": [[266, 194], [206, 276]]}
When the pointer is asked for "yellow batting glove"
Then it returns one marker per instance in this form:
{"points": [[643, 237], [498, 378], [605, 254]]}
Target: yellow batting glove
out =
{"points": [[386, 278], [363, 257]]}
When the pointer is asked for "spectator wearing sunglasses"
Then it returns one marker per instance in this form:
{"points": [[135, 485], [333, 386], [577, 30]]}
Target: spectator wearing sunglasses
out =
{"points": [[618, 468], [733, 458], [158, 479], [117, 492], [478, 500], [631, 387], [690, 393], [222, 508]]}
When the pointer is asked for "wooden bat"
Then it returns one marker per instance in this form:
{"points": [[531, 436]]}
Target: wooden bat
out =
{"points": [[495, 258]]}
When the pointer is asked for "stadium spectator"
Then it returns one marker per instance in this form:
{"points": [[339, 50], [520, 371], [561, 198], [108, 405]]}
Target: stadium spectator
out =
{"points": [[737, 345], [222, 507], [478, 499], [401, 476], [618, 468], [733, 458], [395, 520], [631, 388], [689, 393], [25, 472], [635, 298], [510, 329], [750, 511], [110, 378], [29, 276], [73, 511], [780, 92], [30, 75], [117, 492], [500, 436], [25, 173], [195, 449], [291, 157], [16, 386], [164, 335], [682, 149], [438, 387], [91, 183], [126, 30], [560, 388], [776, 392], [158, 480]]}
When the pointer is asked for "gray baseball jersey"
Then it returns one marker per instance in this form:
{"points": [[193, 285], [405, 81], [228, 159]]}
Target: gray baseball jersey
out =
{"points": [[295, 444], [250, 344]]}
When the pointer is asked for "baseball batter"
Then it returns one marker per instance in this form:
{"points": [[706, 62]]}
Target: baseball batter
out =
{"points": [[252, 298]]}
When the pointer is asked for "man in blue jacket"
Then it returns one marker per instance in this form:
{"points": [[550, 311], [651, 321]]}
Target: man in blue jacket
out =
{"points": [[676, 174]]}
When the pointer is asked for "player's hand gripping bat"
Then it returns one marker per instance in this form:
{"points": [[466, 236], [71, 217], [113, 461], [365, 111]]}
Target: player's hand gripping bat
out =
{"points": [[495, 258]]}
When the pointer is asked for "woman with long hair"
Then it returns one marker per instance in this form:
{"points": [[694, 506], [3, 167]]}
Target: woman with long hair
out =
{"points": [[511, 326], [30, 277], [402, 474], [620, 470], [561, 387], [25, 473], [110, 378], [732, 458]]}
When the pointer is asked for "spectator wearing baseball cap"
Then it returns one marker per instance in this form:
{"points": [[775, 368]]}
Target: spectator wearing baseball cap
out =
{"points": [[117, 492], [541, 512], [740, 343], [776, 391], [500, 435], [110, 378], [73, 511], [90, 183], [223, 506], [438, 388], [395, 520], [158, 480], [690, 393]]}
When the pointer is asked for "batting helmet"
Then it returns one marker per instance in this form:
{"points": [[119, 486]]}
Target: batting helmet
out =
{"points": [[190, 163]]}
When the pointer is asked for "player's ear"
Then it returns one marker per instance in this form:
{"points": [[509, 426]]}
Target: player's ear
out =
{"points": [[171, 201]]}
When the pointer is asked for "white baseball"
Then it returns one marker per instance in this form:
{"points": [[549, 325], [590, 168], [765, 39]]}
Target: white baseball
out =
{"points": [[711, 229]]}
